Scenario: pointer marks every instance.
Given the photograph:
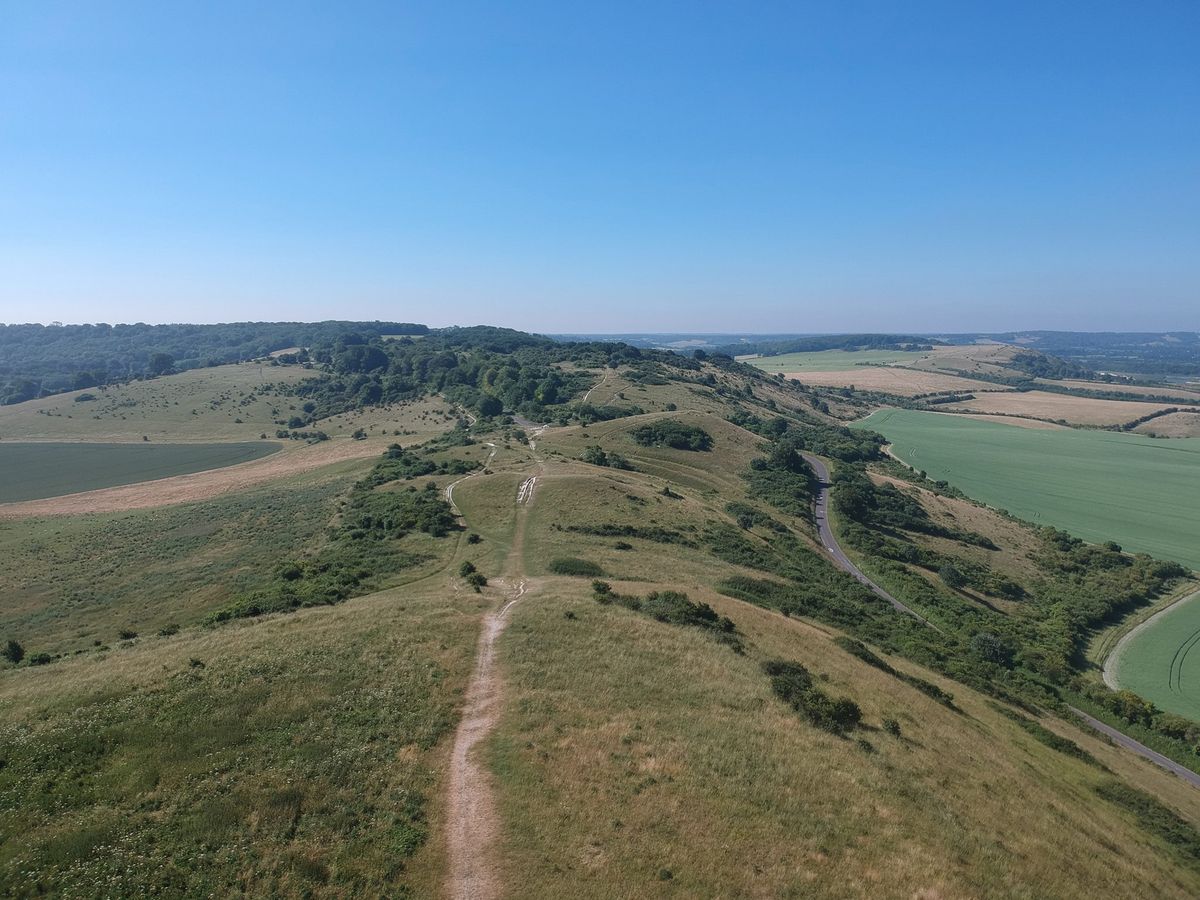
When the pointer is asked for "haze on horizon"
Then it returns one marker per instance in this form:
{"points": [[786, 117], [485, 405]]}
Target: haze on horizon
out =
{"points": [[612, 168]]}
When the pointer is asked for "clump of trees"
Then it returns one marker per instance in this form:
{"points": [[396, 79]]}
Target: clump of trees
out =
{"points": [[363, 549], [571, 565], [596, 455], [670, 433]]}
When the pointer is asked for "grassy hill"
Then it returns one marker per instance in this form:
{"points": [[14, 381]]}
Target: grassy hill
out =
{"points": [[263, 692]]}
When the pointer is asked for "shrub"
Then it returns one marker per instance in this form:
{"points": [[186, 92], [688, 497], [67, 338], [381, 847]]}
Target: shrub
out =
{"points": [[466, 570], [13, 652], [126, 634], [39, 659], [1153, 817], [477, 580], [569, 565], [793, 684], [860, 650], [473, 538], [892, 727], [1046, 736], [668, 433]]}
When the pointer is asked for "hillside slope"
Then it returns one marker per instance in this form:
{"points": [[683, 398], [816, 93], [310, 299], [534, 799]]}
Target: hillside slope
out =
{"points": [[690, 699]]}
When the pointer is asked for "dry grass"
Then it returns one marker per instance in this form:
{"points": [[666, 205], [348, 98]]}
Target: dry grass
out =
{"points": [[990, 359], [894, 380], [1014, 539], [1181, 392], [197, 405], [1060, 407], [643, 759], [1172, 425]]}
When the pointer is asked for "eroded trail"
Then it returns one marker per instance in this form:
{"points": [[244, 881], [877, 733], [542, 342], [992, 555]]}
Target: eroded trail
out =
{"points": [[472, 822]]}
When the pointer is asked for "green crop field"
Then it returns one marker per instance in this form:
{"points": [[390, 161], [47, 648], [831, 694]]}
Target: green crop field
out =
{"points": [[1159, 660], [834, 360], [1140, 492], [31, 471]]}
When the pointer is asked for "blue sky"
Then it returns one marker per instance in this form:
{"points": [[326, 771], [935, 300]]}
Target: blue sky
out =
{"points": [[691, 166]]}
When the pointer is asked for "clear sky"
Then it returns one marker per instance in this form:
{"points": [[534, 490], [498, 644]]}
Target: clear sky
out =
{"points": [[604, 166]]}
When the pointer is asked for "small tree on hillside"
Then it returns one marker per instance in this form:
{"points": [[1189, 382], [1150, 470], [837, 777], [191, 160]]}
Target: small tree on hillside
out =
{"points": [[13, 652]]}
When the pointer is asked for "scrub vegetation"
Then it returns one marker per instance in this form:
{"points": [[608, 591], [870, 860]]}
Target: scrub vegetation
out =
{"points": [[258, 693]]}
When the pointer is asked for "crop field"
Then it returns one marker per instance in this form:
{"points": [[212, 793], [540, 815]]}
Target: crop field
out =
{"points": [[894, 380], [1060, 407], [968, 358], [32, 471], [1175, 391], [1159, 660], [1142, 493], [834, 360], [1172, 425]]}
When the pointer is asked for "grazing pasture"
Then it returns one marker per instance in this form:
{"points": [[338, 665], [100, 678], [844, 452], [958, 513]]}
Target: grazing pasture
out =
{"points": [[32, 471], [223, 403], [1140, 492], [1159, 659], [1061, 407]]}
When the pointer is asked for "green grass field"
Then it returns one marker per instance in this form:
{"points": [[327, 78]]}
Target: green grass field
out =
{"points": [[1159, 661], [1142, 493], [31, 471], [1137, 491], [834, 360]]}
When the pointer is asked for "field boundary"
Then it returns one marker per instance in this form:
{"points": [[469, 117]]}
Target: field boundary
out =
{"points": [[1111, 661]]}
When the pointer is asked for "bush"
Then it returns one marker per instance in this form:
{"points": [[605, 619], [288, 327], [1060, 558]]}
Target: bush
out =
{"points": [[668, 433], [473, 538], [860, 650], [39, 659], [793, 684], [892, 727], [13, 652], [477, 580], [1154, 817], [569, 565], [126, 634], [466, 570]]}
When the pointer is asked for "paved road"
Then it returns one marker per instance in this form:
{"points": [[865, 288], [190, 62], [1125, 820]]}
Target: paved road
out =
{"points": [[1124, 740], [843, 562], [834, 548]]}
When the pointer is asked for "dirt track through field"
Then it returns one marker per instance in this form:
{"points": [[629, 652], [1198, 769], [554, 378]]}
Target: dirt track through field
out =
{"points": [[472, 822], [195, 486]]}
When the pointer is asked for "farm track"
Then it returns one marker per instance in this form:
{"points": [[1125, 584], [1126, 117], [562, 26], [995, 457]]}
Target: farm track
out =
{"points": [[195, 486]]}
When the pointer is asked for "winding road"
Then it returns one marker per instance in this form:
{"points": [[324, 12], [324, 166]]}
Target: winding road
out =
{"points": [[843, 562], [834, 549]]}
